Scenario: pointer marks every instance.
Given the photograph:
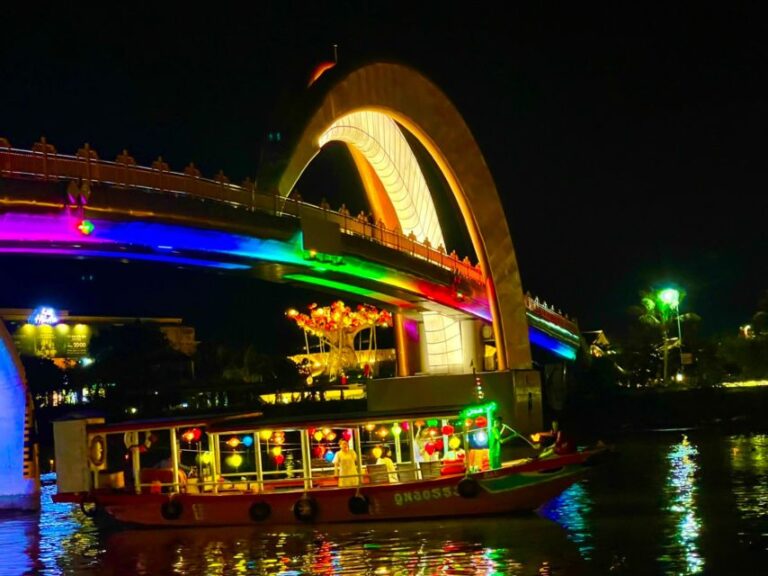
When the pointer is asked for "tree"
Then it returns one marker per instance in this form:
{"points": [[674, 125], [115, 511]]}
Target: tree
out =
{"points": [[660, 310]]}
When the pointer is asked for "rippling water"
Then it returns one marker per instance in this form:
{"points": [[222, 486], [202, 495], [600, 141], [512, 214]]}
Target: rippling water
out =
{"points": [[662, 506]]}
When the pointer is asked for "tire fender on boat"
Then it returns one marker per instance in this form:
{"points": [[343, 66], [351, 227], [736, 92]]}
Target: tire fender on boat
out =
{"points": [[260, 511], [468, 487], [305, 509], [171, 509], [359, 504]]}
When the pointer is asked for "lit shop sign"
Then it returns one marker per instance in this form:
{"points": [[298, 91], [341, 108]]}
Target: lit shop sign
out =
{"points": [[44, 316]]}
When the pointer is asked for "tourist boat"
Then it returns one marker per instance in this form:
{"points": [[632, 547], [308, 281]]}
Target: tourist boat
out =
{"points": [[247, 469]]}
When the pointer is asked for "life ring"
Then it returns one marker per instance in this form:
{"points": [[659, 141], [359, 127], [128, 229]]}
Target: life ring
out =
{"points": [[171, 509], [259, 511], [132, 440], [97, 451], [359, 504], [305, 509], [468, 487]]}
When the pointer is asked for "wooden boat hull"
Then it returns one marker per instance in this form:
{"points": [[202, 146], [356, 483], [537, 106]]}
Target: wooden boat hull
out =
{"points": [[516, 488]]}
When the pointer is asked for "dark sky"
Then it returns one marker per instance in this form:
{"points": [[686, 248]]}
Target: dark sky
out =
{"points": [[628, 145]]}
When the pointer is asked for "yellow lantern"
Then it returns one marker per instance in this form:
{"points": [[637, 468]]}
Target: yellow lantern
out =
{"points": [[396, 429], [454, 442], [234, 442], [331, 436], [376, 451], [265, 435], [235, 460], [370, 427], [277, 450], [318, 435], [536, 437]]}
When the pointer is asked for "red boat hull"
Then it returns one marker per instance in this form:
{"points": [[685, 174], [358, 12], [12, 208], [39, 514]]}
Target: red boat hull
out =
{"points": [[517, 488]]}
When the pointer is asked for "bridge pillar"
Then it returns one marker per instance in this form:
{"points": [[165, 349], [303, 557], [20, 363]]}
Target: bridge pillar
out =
{"points": [[19, 480], [407, 345]]}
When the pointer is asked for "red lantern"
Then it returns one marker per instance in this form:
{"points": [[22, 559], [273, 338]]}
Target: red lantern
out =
{"points": [[481, 421], [439, 444], [429, 448], [347, 435], [196, 433], [447, 430], [279, 459], [319, 451]]}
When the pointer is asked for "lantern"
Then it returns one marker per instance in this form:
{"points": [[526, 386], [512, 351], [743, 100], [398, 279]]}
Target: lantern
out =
{"points": [[331, 436], [396, 430], [429, 448], [319, 451], [279, 459], [439, 444], [370, 427], [454, 442], [347, 435], [318, 435], [234, 461], [376, 452], [277, 450], [247, 441], [481, 421], [329, 456], [188, 436], [265, 435], [447, 430], [233, 442]]}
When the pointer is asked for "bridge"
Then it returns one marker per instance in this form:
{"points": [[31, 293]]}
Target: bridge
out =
{"points": [[452, 315]]}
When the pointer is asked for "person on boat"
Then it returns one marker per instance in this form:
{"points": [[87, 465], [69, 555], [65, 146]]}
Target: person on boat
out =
{"points": [[497, 439], [345, 465], [386, 459]]}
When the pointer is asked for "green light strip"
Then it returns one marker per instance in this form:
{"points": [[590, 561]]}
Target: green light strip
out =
{"points": [[536, 320], [357, 290]]}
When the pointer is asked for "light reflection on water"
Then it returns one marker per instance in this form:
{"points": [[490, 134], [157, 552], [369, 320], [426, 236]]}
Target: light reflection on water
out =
{"points": [[749, 474], [660, 507], [682, 555], [62, 541], [572, 510]]}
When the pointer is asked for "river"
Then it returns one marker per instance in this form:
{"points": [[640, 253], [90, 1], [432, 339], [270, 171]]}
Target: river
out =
{"points": [[659, 506]]}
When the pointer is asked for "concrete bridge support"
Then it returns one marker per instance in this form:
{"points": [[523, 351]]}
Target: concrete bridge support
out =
{"points": [[19, 478]]}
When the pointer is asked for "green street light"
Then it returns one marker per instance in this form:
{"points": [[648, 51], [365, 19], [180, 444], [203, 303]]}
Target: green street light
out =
{"points": [[670, 298]]}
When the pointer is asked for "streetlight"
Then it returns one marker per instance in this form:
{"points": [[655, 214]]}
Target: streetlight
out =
{"points": [[669, 299]]}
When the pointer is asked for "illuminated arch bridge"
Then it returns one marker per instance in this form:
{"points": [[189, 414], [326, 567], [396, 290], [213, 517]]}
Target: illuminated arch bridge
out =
{"points": [[450, 313]]}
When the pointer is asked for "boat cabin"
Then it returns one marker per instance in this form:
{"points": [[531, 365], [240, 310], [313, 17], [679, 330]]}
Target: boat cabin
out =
{"points": [[249, 453]]}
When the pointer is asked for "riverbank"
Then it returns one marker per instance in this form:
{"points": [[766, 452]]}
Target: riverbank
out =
{"points": [[618, 411]]}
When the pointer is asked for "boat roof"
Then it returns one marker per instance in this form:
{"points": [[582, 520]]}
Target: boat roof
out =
{"points": [[256, 420], [248, 422], [185, 421]]}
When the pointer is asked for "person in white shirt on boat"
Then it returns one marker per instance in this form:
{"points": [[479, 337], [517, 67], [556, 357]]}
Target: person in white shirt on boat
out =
{"points": [[345, 465], [386, 459]]}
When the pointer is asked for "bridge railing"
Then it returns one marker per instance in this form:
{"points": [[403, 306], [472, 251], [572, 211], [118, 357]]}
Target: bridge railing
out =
{"points": [[548, 313], [44, 162]]}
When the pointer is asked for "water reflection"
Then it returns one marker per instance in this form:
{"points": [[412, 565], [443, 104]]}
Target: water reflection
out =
{"points": [[571, 510], [749, 473], [500, 546], [62, 541], [682, 554]]}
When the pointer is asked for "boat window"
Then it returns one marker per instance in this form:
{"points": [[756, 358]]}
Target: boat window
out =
{"points": [[237, 455], [323, 445], [280, 454]]}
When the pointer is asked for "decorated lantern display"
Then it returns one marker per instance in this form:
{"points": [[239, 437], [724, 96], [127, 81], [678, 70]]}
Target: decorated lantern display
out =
{"points": [[336, 326]]}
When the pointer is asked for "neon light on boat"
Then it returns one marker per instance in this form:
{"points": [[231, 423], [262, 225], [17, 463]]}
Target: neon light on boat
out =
{"points": [[547, 342]]}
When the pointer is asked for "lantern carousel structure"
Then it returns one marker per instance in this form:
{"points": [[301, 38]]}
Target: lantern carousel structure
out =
{"points": [[336, 327]]}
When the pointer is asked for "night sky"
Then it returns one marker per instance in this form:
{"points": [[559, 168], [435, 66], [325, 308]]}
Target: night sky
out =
{"points": [[628, 146]]}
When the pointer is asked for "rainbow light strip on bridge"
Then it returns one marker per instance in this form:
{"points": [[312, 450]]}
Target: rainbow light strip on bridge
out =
{"points": [[167, 243]]}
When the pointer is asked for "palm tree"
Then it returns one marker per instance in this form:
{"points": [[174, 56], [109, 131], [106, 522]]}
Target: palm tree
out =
{"points": [[661, 308]]}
